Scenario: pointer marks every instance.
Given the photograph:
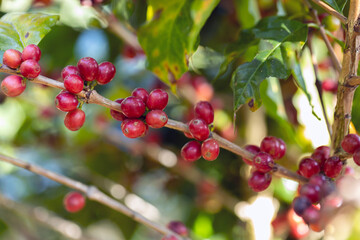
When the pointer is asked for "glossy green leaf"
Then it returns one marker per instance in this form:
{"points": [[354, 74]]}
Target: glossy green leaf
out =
{"points": [[247, 12], [17, 30], [338, 5]]}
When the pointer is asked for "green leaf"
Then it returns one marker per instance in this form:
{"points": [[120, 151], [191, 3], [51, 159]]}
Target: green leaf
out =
{"points": [[17, 30], [206, 61], [247, 12], [333, 4]]}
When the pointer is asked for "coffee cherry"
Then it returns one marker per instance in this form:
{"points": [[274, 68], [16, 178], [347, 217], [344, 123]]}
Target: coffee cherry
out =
{"points": [[311, 215], [75, 119], [273, 146], [156, 118], [66, 101], [329, 85], [300, 204], [205, 111], [119, 116], [333, 167], [106, 73], [199, 129], [320, 154], [259, 181], [327, 188], [317, 179], [133, 128], [331, 23], [68, 70], [311, 191], [73, 83], [13, 85], [140, 93], [178, 227], [263, 162], [30, 68], [31, 51], [88, 68], [356, 157], [12, 58], [191, 151], [254, 150], [157, 99], [351, 143], [210, 149], [74, 202], [133, 107], [308, 167]]}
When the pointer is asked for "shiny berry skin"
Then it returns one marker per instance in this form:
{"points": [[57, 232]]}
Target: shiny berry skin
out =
{"points": [[12, 58], [351, 143], [88, 68], [263, 162], [156, 118], [259, 181], [254, 150], [318, 179], [191, 151], [333, 167], [31, 51], [119, 116], [205, 111], [74, 120], [273, 146], [157, 99], [133, 128], [331, 23], [30, 68], [106, 73], [210, 149], [300, 204], [140, 93], [311, 215], [356, 157], [199, 129], [320, 154], [309, 167], [178, 227], [311, 191], [66, 102], [74, 202], [13, 85], [329, 85], [73, 83], [133, 107], [68, 70]]}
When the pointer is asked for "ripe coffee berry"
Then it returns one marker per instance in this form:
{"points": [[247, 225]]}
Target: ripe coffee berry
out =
{"points": [[263, 162], [68, 70], [178, 227], [311, 191], [13, 86], [66, 101], [30, 68], [332, 167], [191, 151], [140, 93], [119, 116], [12, 58], [74, 202], [31, 51], [321, 154], [311, 215], [199, 129], [308, 167], [88, 68], [351, 143], [273, 146], [133, 107], [75, 119], [210, 149], [133, 128], [106, 73], [156, 118], [300, 204], [329, 85], [205, 111], [317, 179], [157, 99], [254, 150], [356, 157], [73, 83], [259, 181]]}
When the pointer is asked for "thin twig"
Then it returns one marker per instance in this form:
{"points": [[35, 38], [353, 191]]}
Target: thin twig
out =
{"points": [[331, 11]]}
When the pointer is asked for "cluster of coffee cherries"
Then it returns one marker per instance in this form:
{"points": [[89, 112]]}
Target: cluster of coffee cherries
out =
{"points": [[139, 107], [199, 129], [177, 227], [74, 202], [87, 73], [26, 63], [271, 148]]}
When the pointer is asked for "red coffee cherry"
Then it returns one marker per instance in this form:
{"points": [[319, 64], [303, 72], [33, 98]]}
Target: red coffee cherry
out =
{"points": [[329, 85], [300, 204], [205, 111], [259, 181], [309, 167], [356, 157], [273, 146], [133, 107], [140, 93], [68, 70], [263, 162], [351, 143], [13, 85], [254, 150], [12, 58], [88, 68], [191, 151], [178, 227], [74, 202], [156, 118], [311, 191], [320, 154], [333, 167], [318, 179], [199, 129], [73, 83], [30, 68], [75, 119], [157, 99], [66, 101], [119, 116], [311, 215], [210, 149], [133, 128], [31, 51], [106, 73]]}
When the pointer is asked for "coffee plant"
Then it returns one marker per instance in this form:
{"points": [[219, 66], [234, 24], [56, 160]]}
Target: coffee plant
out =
{"points": [[182, 119]]}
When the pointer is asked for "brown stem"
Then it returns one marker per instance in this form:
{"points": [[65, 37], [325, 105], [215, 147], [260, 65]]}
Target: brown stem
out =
{"points": [[331, 11]]}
